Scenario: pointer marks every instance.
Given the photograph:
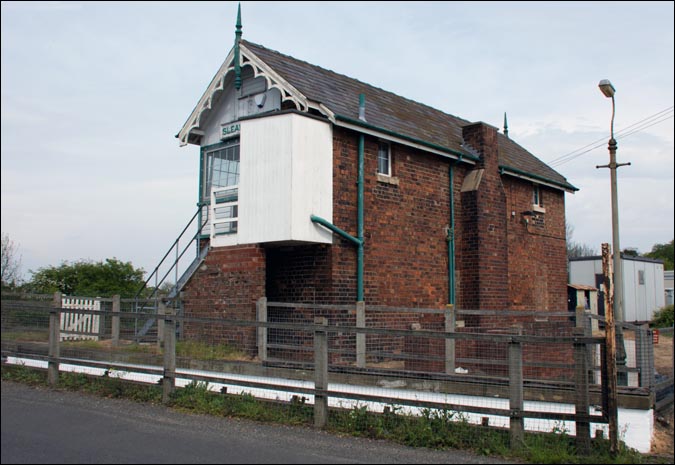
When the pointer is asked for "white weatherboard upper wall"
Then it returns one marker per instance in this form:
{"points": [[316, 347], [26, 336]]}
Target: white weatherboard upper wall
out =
{"points": [[640, 300], [286, 175]]}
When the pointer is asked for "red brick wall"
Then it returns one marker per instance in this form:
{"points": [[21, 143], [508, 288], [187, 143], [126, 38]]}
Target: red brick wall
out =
{"points": [[299, 274], [227, 285], [484, 247], [405, 250], [500, 262], [537, 257]]}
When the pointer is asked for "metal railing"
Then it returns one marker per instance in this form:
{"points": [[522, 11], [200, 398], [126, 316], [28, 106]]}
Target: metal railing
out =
{"points": [[171, 263]]}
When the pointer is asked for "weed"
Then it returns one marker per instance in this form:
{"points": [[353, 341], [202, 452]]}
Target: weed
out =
{"points": [[23, 374], [205, 351]]}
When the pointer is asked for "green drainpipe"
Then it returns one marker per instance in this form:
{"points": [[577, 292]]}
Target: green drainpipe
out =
{"points": [[358, 240], [359, 271], [451, 239], [328, 225]]}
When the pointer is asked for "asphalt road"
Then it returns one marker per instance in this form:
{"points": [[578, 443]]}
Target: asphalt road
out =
{"points": [[41, 425]]}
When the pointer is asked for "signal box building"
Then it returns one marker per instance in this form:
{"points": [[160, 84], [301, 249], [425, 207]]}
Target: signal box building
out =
{"points": [[318, 188]]}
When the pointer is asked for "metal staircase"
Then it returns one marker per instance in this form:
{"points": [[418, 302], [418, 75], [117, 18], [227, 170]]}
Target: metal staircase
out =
{"points": [[147, 298]]}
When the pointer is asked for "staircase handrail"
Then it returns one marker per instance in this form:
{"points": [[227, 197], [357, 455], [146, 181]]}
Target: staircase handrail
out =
{"points": [[174, 245]]}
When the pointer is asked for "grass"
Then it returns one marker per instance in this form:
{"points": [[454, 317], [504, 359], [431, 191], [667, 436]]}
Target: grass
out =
{"points": [[206, 351], [197, 350], [107, 385], [26, 336], [437, 429]]}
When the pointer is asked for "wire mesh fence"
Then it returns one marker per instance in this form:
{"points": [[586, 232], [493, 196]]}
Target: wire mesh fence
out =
{"points": [[494, 369]]}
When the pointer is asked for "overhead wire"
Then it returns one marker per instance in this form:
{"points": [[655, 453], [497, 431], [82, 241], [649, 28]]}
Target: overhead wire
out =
{"points": [[634, 128]]}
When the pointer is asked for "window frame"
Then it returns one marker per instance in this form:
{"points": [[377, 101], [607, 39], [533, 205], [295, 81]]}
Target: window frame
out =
{"points": [[206, 175], [381, 144], [538, 199]]}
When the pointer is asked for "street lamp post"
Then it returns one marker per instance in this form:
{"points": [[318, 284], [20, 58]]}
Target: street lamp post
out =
{"points": [[608, 90]]}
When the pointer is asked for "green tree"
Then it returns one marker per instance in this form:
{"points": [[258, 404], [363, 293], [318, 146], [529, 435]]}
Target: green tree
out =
{"points": [[663, 252], [10, 263], [630, 252], [85, 278]]}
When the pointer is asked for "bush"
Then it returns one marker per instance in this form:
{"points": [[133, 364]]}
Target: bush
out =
{"points": [[663, 318]]}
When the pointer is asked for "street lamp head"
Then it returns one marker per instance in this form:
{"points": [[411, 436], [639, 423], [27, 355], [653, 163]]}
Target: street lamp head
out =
{"points": [[607, 88]]}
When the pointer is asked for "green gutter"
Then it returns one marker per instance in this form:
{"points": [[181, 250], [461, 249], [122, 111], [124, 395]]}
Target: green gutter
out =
{"points": [[451, 238], [335, 229], [566, 186], [403, 136]]}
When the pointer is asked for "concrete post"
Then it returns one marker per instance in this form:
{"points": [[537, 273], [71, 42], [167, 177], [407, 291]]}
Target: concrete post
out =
{"points": [[116, 320], [450, 323], [54, 340], [261, 311], [594, 310], [360, 337], [581, 398], [320, 373], [161, 311], [169, 380], [579, 314], [517, 422], [583, 324]]}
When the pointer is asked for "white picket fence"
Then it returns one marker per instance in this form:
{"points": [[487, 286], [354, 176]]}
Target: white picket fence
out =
{"points": [[76, 327]]}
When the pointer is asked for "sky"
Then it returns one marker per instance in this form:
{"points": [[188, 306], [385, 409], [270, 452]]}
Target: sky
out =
{"points": [[93, 94]]}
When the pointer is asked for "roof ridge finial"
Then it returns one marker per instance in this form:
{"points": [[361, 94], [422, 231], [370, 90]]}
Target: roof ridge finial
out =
{"points": [[237, 39], [506, 126]]}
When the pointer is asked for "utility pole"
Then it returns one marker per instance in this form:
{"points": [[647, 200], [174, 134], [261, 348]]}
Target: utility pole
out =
{"points": [[608, 90]]}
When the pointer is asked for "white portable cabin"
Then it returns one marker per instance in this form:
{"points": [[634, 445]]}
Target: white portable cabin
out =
{"points": [[643, 289], [668, 285]]}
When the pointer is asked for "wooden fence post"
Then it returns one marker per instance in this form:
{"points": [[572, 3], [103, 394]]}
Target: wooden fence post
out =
{"points": [[261, 310], [360, 337], [54, 340], [320, 373], [450, 322], [581, 399], [610, 352], [516, 422], [116, 320], [169, 324]]}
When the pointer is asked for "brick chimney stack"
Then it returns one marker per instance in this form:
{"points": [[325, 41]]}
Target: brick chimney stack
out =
{"points": [[484, 250]]}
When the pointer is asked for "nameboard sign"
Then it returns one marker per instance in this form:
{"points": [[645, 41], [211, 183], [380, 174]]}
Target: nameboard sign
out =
{"points": [[230, 130]]}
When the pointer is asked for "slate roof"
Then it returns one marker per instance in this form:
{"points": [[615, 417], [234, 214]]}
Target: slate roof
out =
{"points": [[397, 114]]}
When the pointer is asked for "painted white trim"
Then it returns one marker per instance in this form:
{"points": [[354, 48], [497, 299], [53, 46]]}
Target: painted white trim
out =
{"points": [[217, 83], [260, 69]]}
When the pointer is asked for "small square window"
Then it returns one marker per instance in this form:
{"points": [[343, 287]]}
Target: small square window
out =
{"points": [[384, 159]]}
